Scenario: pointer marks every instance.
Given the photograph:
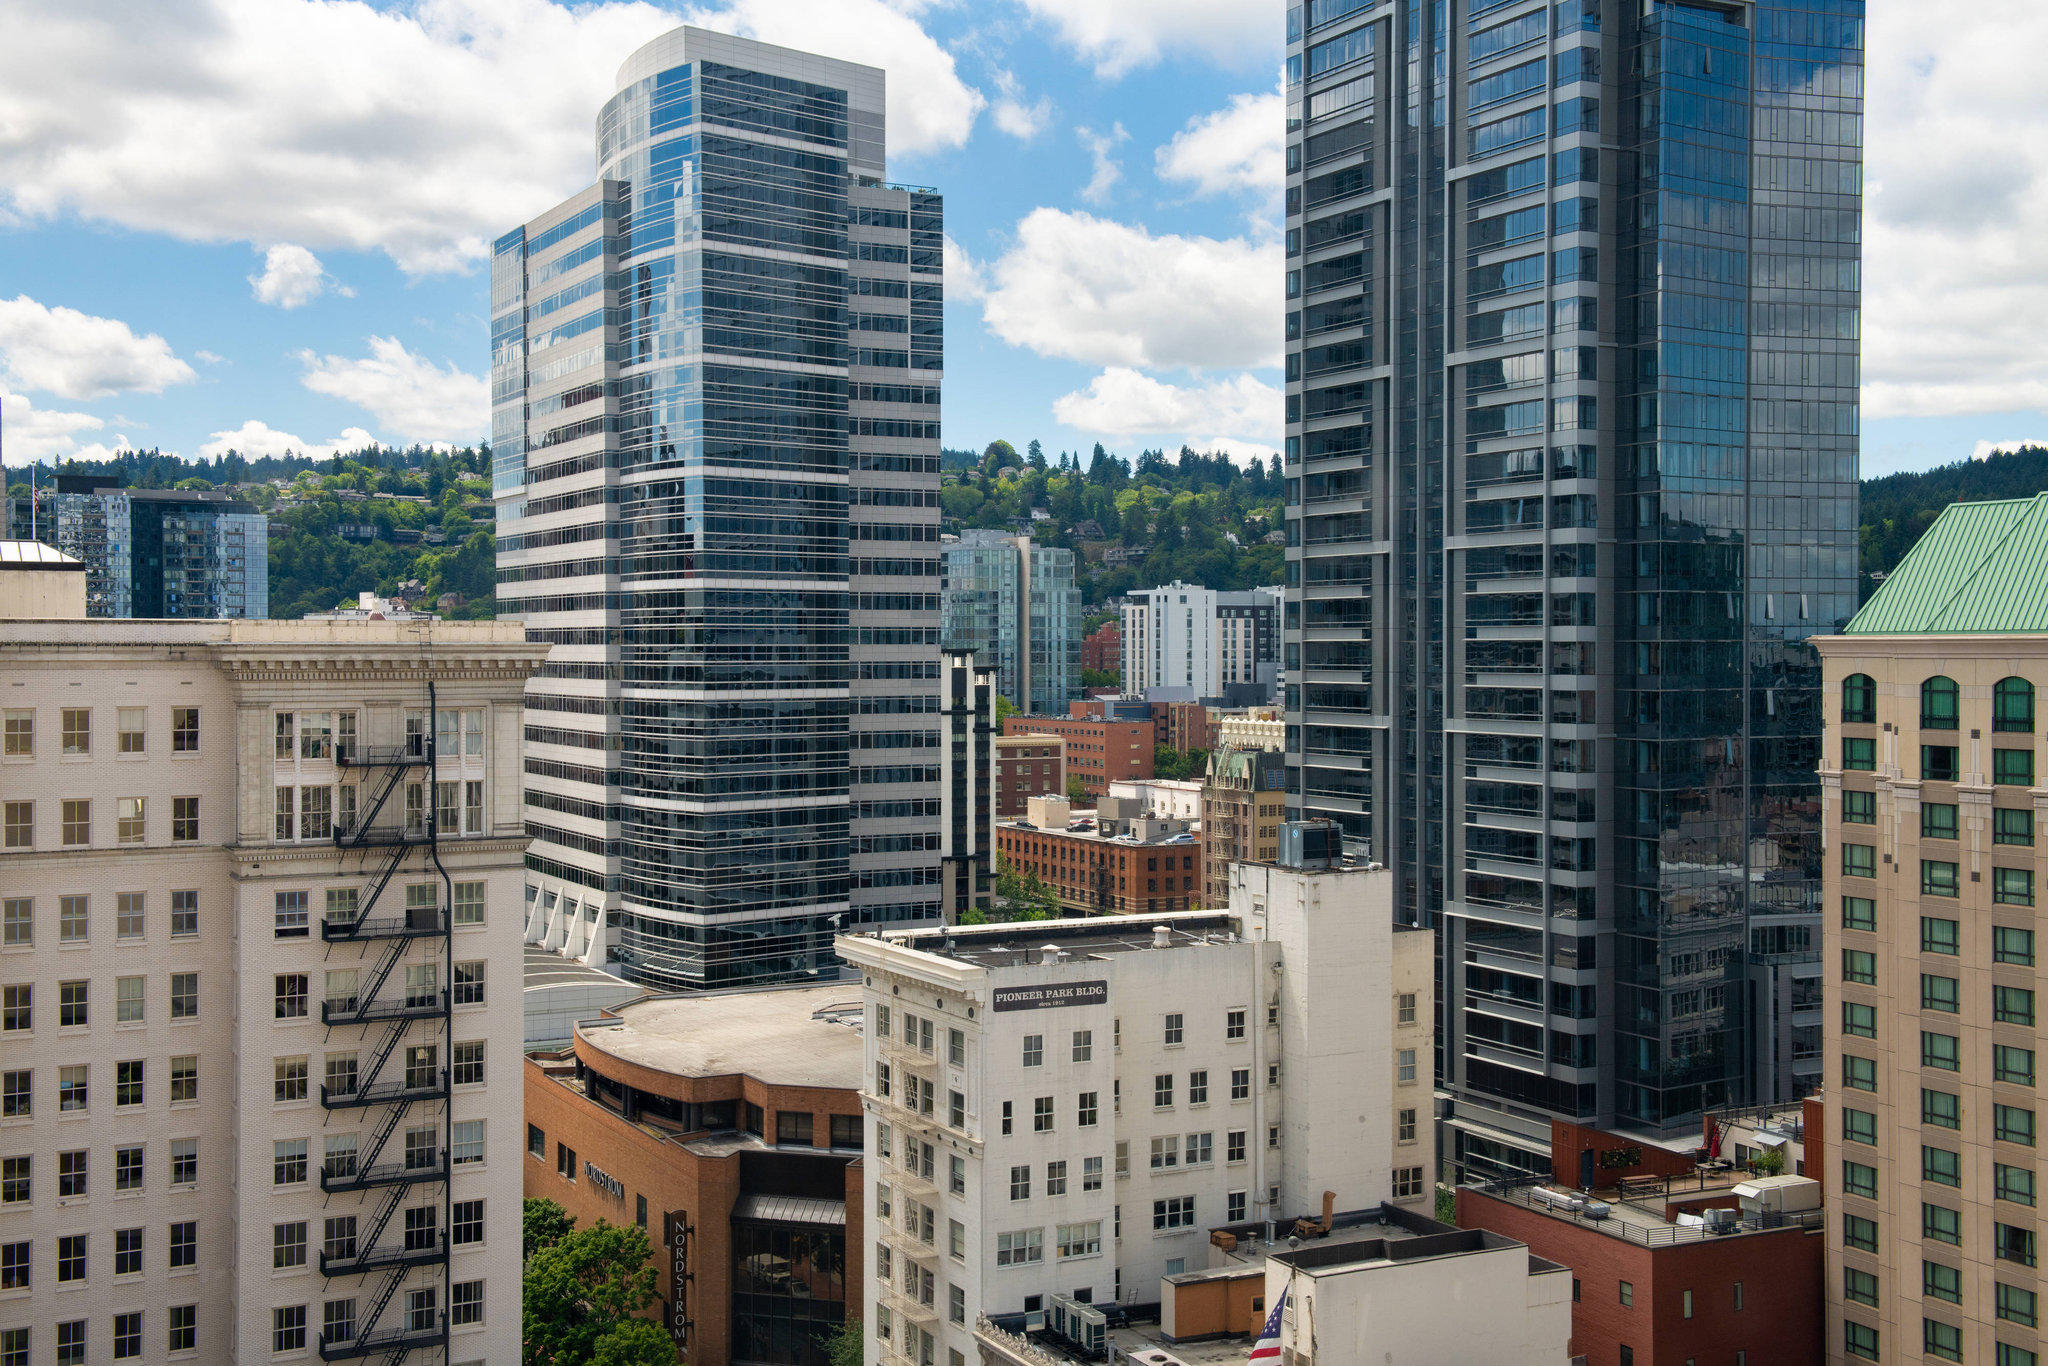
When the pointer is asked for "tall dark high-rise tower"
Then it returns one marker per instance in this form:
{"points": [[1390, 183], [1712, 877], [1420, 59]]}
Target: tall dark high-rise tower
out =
{"points": [[1572, 320], [715, 435]]}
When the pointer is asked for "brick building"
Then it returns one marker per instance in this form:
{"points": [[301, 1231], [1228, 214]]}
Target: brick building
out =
{"points": [[738, 1115], [1652, 1286], [1103, 648], [1028, 766], [1097, 751], [1243, 802], [1115, 865]]}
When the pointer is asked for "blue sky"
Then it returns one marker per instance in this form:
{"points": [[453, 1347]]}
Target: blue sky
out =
{"points": [[261, 223]]}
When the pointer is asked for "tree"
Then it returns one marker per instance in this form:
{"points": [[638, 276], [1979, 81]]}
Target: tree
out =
{"points": [[583, 1294], [1005, 709], [544, 1223], [1173, 764], [843, 1344], [1077, 791], [1100, 678], [1025, 897]]}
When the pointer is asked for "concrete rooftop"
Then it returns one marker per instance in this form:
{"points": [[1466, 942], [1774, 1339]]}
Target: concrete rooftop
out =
{"points": [[792, 1036]]}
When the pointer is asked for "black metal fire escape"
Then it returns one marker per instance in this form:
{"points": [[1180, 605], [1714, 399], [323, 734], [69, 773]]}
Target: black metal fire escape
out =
{"points": [[406, 1064]]}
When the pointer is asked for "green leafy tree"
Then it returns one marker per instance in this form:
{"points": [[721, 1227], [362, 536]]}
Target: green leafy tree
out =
{"points": [[543, 1224], [1100, 678], [1023, 896], [1173, 764], [1005, 709], [843, 1344], [1077, 790], [582, 1297]]}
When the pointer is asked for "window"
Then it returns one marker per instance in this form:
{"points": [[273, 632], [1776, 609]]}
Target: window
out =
{"points": [[1034, 1050], [17, 1008], [1859, 1233], [1175, 1212], [184, 1245], [1859, 860], [127, 1251], [1939, 935], [420, 1311], [1859, 753], [131, 730], [2012, 886], [128, 1082], [1859, 1019], [1859, 1179], [466, 1066], [468, 983], [184, 1079], [131, 819], [1198, 1087], [1859, 700], [1941, 1109], [2015, 1184], [536, 1141], [1938, 763], [1162, 1090], [184, 730], [289, 995], [469, 903], [1404, 1070], [184, 995], [1233, 1024], [288, 1161], [287, 1245], [2010, 1063], [1628, 1294], [17, 1180], [288, 1328], [465, 1303], [1859, 913], [1941, 1224], [1944, 1051], [77, 723], [73, 1003], [2012, 1124], [17, 922], [1091, 1174], [184, 914], [291, 915], [1859, 1287], [2012, 767], [1940, 993], [17, 825], [2016, 1304], [288, 1080], [71, 1174], [71, 1258], [1407, 1182], [18, 733], [1056, 1178], [1860, 808], [1939, 703], [2012, 827], [14, 1093], [1165, 1152], [73, 1089], [466, 1222], [1175, 1031], [1938, 877], [1241, 1083], [1404, 1127], [1943, 1340], [1022, 1248], [466, 1141], [1020, 1183], [2011, 1243], [2012, 945], [1859, 966], [128, 1326], [2012, 1005], [14, 1266], [1080, 1240], [2009, 1355], [76, 826]]}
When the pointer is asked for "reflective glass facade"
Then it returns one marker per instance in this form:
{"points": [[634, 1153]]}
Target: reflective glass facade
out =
{"points": [[1572, 421], [1015, 605], [159, 553], [717, 377]]}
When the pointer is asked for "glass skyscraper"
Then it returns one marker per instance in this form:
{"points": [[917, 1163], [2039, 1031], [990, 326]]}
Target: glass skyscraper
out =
{"points": [[155, 553], [1572, 320], [715, 434], [1014, 604]]}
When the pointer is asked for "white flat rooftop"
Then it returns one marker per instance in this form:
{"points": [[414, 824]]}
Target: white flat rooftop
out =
{"points": [[792, 1036]]}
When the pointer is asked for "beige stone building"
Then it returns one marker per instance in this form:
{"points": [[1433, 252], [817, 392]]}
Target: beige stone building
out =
{"points": [[1243, 802], [260, 885], [1933, 816]]}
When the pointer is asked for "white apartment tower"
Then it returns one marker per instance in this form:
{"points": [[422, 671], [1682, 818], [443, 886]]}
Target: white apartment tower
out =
{"points": [[257, 882], [1182, 635], [1067, 1108]]}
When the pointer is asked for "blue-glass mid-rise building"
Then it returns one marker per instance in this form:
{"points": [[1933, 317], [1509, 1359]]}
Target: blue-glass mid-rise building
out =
{"points": [[1572, 347], [153, 553], [715, 433]]}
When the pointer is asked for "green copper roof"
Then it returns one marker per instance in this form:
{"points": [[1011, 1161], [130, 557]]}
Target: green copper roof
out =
{"points": [[1981, 569]]}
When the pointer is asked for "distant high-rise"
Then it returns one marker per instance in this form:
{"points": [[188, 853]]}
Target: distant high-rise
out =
{"points": [[1014, 604], [715, 430], [157, 553], [1214, 644], [1571, 319]]}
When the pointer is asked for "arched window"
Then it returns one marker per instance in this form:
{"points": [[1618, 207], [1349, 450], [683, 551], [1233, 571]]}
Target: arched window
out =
{"points": [[1859, 699], [2012, 705], [1939, 704]]}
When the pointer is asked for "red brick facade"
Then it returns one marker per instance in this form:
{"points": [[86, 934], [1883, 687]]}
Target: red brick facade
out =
{"points": [[1103, 648], [1614, 1157], [1107, 877], [1098, 752], [1027, 766], [1778, 1272], [672, 1177]]}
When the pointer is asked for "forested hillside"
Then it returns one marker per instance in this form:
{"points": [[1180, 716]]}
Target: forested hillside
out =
{"points": [[1899, 507]]}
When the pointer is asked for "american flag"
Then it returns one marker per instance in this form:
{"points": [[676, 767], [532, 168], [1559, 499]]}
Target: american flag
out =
{"points": [[1267, 1346]]}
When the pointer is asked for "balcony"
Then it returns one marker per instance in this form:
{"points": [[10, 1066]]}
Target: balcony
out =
{"points": [[386, 1093], [356, 1011], [385, 1258], [411, 924], [393, 1341], [384, 1175]]}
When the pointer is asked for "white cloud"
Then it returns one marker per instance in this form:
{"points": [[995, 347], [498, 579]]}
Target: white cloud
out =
{"points": [[1239, 148], [964, 275], [209, 357], [1021, 120], [1956, 268], [34, 433], [1107, 169], [255, 439], [76, 355], [1986, 449], [1241, 411], [321, 123], [1119, 35], [293, 276], [1077, 287], [412, 398]]}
